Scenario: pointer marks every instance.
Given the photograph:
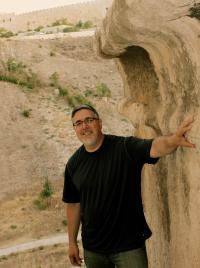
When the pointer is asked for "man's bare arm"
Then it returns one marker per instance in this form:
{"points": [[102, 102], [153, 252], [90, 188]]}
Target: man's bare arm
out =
{"points": [[164, 145], [73, 224]]}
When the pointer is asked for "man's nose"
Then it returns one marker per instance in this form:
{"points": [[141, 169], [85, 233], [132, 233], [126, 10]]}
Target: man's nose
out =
{"points": [[84, 124]]}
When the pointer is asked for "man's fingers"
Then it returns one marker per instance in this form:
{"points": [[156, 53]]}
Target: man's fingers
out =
{"points": [[186, 143], [78, 261], [185, 126], [73, 254], [187, 122], [189, 144], [182, 130], [186, 129], [74, 261]]}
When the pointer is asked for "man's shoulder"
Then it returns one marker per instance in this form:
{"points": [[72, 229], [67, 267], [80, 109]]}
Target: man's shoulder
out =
{"points": [[117, 140], [74, 158], [114, 138]]}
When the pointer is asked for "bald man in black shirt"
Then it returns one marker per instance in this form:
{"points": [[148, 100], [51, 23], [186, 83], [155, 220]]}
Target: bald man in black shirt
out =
{"points": [[102, 190]]}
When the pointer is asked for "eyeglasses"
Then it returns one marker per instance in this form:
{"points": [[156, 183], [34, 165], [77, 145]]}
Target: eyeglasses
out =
{"points": [[86, 121]]}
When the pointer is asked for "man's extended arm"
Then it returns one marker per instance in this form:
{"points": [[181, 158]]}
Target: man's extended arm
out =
{"points": [[164, 145], [73, 224]]}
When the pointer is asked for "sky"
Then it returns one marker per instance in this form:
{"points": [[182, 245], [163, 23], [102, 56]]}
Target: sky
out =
{"points": [[21, 6]]}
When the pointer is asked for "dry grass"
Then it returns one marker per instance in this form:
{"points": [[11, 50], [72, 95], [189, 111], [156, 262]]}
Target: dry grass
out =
{"points": [[48, 257], [29, 221]]}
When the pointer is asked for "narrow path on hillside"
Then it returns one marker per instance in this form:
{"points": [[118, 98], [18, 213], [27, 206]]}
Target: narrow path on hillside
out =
{"points": [[59, 239], [56, 35]]}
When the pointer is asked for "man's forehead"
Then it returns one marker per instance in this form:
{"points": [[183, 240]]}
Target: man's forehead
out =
{"points": [[83, 113]]}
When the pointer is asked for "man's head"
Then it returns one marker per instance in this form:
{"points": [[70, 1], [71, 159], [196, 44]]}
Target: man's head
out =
{"points": [[84, 106], [88, 126]]}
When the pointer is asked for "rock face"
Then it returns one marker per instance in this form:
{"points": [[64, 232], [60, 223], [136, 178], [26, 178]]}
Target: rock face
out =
{"points": [[156, 46]]}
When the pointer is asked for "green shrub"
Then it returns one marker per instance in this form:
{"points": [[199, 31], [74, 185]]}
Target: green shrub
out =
{"points": [[13, 226], [40, 204], [32, 80], [29, 84], [64, 222], [56, 23], [16, 72], [195, 11], [84, 25], [71, 29], [60, 22], [54, 78], [8, 79], [89, 92], [102, 90], [47, 189], [87, 24], [64, 21], [5, 33], [52, 54], [26, 113], [79, 24], [75, 100], [70, 101], [38, 28], [14, 66], [3, 258], [62, 91], [43, 201]]}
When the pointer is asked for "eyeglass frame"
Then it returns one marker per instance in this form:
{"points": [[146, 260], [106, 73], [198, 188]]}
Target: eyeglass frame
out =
{"points": [[87, 121]]}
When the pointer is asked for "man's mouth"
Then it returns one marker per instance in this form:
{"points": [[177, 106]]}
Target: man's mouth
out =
{"points": [[87, 133]]}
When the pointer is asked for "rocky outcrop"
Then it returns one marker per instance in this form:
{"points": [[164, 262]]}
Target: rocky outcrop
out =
{"points": [[156, 46]]}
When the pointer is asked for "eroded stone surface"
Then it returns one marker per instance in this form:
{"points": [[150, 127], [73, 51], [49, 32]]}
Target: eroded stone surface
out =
{"points": [[156, 46]]}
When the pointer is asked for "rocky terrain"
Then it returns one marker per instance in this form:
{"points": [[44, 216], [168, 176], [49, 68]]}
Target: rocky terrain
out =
{"points": [[37, 137]]}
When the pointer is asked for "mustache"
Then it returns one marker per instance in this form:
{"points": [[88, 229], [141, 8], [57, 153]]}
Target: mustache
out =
{"points": [[85, 132]]}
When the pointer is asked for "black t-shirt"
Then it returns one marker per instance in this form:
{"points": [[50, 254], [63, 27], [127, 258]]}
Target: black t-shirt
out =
{"points": [[107, 183]]}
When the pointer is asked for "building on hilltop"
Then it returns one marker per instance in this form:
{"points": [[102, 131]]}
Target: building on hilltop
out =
{"points": [[6, 17], [91, 10]]}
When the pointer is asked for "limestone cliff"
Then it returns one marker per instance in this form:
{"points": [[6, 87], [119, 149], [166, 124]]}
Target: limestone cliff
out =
{"points": [[156, 46]]}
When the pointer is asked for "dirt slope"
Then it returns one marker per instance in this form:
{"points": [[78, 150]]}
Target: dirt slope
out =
{"points": [[37, 147]]}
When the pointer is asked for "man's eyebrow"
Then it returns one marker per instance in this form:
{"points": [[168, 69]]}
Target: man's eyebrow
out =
{"points": [[86, 118]]}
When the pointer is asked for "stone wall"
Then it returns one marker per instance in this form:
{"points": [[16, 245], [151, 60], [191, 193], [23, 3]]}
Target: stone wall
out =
{"points": [[91, 10], [156, 46]]}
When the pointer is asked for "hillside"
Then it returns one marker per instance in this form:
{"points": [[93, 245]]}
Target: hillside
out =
{"points": [[37, 137]]}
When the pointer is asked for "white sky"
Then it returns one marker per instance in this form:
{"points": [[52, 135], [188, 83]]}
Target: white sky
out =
{"points": [[20, 6]]}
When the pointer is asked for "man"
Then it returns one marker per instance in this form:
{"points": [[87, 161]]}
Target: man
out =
{"points": [[102, 190]]}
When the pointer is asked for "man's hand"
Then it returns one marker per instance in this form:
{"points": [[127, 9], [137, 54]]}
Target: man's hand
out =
{"points": [[73, 223], [73, 254], [164, 145], [179, 137]]}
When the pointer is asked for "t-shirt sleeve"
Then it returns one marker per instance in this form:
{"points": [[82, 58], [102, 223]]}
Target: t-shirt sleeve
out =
{"points": [[70, 192], [139, 149]]}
